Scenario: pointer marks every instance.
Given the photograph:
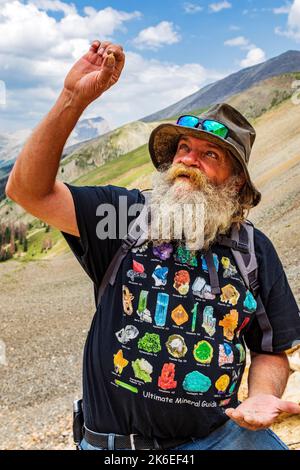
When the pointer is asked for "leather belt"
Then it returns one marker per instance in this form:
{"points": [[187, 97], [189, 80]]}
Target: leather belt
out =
{"points": [[133, 441]]}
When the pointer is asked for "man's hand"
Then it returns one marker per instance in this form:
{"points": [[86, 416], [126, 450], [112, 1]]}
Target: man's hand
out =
{"points": [[260, 411], [95, 72]]}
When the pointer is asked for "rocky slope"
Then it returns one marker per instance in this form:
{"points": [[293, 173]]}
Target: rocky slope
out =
{"points": [[235, 83]]}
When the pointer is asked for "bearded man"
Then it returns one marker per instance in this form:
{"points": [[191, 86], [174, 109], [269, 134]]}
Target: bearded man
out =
{"points": [[165, 353]]}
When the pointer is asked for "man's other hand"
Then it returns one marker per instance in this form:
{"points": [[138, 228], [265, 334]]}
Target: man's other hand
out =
{"points": [[260, 411], [96, 71]]}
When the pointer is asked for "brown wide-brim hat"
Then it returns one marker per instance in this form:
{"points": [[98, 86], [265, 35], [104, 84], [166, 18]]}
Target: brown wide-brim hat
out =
{"points": [[164, 140]]}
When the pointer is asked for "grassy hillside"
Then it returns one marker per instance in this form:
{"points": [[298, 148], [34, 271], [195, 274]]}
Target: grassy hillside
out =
{"points": [[274, 164], [121, 171]]}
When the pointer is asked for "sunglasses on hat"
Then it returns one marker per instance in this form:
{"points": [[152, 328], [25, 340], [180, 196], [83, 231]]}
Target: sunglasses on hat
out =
{"points": [[208, 125]]}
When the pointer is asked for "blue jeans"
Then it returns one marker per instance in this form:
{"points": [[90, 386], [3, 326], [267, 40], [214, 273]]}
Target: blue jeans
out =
{"points": [[229, 436]]}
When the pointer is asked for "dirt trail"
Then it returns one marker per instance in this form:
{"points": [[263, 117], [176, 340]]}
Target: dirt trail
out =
{"points": [[45, 310]]}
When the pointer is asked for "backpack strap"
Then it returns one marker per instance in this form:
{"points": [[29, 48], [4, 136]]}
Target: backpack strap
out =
{"points": [[243, 250], [242, 247], [246, 260], [137, 233], [212, 272]]}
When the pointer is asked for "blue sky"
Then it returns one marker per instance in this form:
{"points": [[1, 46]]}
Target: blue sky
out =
{"points": [[173, 48]]}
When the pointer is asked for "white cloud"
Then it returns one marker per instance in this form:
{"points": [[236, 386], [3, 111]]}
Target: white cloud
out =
{"points": [[149, 85], [283, 10], [255, 56], [37, 50], [216, 7], [29, 31], [54, 5], [292, 30], [156, 36], [192, 8], [233, 27], [238, 41]]}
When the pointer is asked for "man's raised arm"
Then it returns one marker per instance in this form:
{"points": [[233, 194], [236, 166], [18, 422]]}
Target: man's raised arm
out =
{"points": [[32, 182]]}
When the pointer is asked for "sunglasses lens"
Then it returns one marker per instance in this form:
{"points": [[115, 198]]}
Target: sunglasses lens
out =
{"points": [[215, 128], [188, 121]]}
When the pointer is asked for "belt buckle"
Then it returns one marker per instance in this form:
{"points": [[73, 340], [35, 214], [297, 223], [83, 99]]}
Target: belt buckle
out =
{"points": [[132, 441]]}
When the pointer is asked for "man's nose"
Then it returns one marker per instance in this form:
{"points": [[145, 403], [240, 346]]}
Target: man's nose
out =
{"points": [[190, 159]]}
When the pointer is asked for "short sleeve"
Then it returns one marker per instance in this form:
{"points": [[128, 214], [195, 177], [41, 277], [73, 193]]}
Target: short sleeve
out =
{"points": [[93, 204], [281, 325]]}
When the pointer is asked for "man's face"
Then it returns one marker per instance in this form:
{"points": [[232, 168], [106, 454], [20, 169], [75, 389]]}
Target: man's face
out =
{"points": [[209, 158], [201, 177]]}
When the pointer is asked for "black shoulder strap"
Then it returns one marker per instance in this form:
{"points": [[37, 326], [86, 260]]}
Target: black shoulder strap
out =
{"points": [[242, 247], [137, 235], [243, 250]]}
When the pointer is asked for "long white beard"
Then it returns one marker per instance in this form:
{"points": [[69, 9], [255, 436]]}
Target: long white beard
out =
{"points": [[191, 211]]}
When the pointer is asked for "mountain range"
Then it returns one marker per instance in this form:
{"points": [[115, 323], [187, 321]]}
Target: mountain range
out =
{"points": [[11, 144], [121, 157], [235, 83]]}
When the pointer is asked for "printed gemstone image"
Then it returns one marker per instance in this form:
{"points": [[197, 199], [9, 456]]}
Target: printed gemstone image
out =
{"points": [[126, 386], [163, 251], [225, 402], [182, 281], [161, 309], [127, 300], [250, 303], [222, 383], [242, 326], [194, 317], [209, 321], [142, 370], [160, 276], [176, 346], [137, 270], [166, 379], [140, 249], [230, 294], [142, 310], [203, 352], [232, 387], [225, 354], [127, 333], [185, 256], [119, 362], [201, 289], [150, 342], [229, 323], [216, 262], [196, 382], [179, 315], [242, 352], [138, 267], [229, 269]]}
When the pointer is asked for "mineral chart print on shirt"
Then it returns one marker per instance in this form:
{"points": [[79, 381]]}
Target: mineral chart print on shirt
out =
{"points": [[165, 355]]}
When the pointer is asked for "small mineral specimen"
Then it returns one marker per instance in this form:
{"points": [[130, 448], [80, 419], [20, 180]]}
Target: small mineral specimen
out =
{"points": [[142, 370], [119, 362], [176, 346], [203, 352], [229, 323], [150, 342], [222, 383], [179, 315], [196, 382], [166, 379], [250, 303]]}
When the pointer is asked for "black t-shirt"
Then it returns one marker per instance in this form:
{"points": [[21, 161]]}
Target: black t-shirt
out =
{"points": [[164, 356]]}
